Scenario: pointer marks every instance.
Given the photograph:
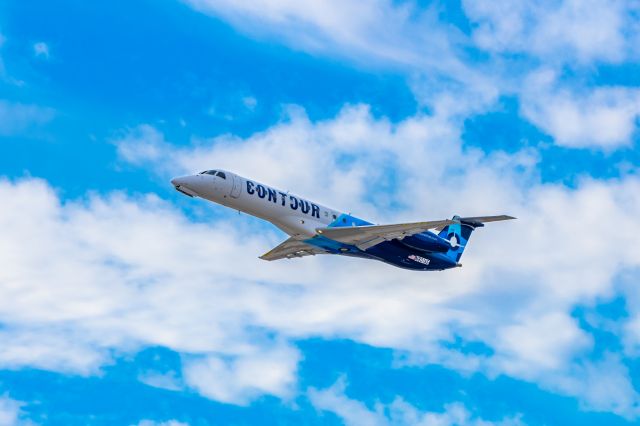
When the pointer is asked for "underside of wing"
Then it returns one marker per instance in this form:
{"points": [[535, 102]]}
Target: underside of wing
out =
{"points": [[292, 248], [365, 237]]}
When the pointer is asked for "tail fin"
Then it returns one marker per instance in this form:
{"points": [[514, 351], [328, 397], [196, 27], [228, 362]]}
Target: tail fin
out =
{"points": [[458, 233]]}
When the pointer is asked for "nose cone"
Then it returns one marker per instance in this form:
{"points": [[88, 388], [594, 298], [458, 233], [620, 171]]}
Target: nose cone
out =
{"points": [[185, 184], [177, 181]]}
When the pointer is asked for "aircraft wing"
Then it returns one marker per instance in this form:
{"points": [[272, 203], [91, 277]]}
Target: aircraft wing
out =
{"points": [[368, 236], [291, 248]]}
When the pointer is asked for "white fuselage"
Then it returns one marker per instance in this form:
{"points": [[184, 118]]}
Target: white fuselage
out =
{"points": [[296, 216]]}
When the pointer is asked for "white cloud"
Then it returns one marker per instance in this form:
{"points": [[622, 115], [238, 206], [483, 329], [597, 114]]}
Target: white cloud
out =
{"points": [[350, 27], [56, 347], [243, 378], [371, 34], [592, 30], [142, 144], [15, 118], [110, 297], [608, 387], [41, 49], [168, 380], [399, 412], [550, 340], [11, 413], [602, 118], [509, 39], [352, 412]]}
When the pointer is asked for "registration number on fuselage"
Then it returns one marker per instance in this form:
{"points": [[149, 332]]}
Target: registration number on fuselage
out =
{"points": [[419, 259]]}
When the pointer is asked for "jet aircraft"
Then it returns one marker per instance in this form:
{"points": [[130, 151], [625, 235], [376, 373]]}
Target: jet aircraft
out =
{"points": [[316, 229]]}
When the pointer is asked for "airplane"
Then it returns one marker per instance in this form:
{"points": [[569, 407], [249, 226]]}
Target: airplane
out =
{"points": [[316, 229]]}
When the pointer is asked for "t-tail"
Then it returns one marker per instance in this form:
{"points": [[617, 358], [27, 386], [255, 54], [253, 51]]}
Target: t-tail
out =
{"points": [[458, 234]]}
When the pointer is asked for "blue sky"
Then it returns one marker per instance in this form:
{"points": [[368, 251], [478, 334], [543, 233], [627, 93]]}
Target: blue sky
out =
{"points": [[123, 302]]}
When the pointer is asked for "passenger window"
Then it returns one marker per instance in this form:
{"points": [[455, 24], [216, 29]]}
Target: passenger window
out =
{"points": [[222, 175]]}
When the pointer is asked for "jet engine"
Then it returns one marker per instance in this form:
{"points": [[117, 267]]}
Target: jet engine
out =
{"points": [[427, 242]]}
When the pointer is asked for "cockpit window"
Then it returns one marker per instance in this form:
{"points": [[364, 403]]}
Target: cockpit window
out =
{"points": [[208, 172], [222, 175]]}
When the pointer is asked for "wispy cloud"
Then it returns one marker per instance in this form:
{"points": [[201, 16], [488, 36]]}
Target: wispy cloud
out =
{"points": [[467, 73], [16, 118], [41, 49], [11, 413], [357, 29], [399, 412], [369, 34]]}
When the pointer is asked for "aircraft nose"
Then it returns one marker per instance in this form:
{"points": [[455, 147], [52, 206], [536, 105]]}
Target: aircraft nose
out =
{"points": [[177, 181], [185, 185]]}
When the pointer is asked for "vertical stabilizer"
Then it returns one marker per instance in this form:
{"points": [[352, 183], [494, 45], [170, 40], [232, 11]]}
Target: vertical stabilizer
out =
{"points": [[458, 235]]}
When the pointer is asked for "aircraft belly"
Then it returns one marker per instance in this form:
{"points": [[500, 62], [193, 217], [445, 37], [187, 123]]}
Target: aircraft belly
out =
{"points": [[296, 225], [399, 255]]}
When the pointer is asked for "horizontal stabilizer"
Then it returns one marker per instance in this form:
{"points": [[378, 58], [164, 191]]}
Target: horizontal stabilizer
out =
{"points": [[478, 221], [484, 219]]}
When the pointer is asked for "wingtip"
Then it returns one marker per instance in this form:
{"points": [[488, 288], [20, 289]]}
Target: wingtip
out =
{"points": [[504, 217]]}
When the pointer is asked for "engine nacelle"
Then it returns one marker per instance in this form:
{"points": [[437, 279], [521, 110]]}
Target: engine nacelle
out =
{"points": [[428, 242]]}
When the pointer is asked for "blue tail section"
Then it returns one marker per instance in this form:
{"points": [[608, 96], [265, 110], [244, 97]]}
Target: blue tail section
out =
{"points": [[458, 235]]}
